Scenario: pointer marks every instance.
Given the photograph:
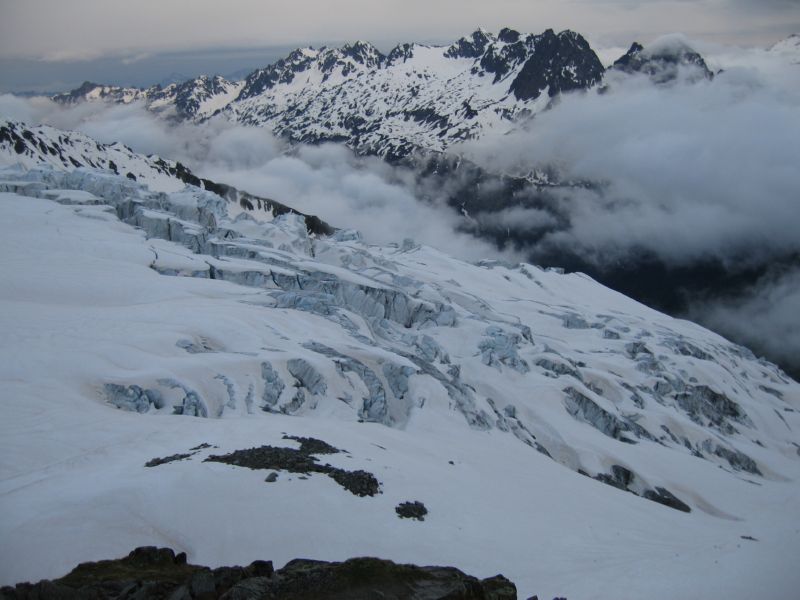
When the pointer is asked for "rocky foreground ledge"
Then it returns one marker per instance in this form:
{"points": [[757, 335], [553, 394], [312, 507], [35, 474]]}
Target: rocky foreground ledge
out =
{"points": [[151, 572]]}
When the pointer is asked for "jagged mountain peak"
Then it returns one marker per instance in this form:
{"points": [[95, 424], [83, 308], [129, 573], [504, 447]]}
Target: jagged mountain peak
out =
{"points": [[507, 35], [472, 46], [363, 52], [349, 57], [559, 63], [792, 40], [662, 60], [416, 97], [90, 91], [400, 53], [327, 61]]}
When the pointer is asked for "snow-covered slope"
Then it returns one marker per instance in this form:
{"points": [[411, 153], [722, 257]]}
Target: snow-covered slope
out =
{"points": [[27, 146], [139, 324], [417, 96], [67, 150]]}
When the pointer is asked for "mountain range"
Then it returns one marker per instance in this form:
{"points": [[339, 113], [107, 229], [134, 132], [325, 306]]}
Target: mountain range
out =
{"points": [[415, 98]]}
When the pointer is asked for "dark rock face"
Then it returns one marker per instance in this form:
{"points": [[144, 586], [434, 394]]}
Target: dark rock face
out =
{"points": [[662, 64], [627, 61], [159, 573], [400, 53], [469, 47], [501, 61], [147, 572], [560, 63], [373, 578], [509, 36]]}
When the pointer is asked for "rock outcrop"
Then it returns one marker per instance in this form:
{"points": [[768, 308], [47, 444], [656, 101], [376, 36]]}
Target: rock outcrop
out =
{"points": [[159, 573]]}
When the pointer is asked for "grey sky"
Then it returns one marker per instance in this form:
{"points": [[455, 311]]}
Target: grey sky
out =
{"points": [[59, 29], [50, 45]]}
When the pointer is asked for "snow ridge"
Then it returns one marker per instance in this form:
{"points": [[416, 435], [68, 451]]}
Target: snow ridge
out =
{"points": [[28, 147]]}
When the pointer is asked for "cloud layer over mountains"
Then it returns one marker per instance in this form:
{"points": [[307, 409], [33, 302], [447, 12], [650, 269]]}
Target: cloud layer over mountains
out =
{"points": [[684, 173], [329, 181]]}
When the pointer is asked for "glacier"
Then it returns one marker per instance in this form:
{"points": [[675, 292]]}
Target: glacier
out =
{"points": [[557, 431]]}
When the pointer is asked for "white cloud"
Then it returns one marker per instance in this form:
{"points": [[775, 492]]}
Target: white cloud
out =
{"points": [[683, 173], [689, 170], [765, 317], [345, 190], [72, 55]]}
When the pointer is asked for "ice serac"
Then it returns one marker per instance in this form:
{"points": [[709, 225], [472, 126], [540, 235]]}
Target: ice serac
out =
{"points": [[401, 335], [133, 397], [273, 386], [500, 348]]}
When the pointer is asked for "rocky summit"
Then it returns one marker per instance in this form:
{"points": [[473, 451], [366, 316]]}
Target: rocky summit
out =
{"points": [[663, 62]]}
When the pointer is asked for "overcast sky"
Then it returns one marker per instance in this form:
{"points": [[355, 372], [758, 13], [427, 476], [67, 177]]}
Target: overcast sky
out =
{"points": [[87, 28], [57, 43]]}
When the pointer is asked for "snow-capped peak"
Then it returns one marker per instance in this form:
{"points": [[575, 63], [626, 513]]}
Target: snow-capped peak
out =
{"points": [[663, 60], [417, 97]]}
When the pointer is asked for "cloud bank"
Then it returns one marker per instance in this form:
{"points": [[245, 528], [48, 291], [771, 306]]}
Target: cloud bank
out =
{"points": [[385, 203], [687, 173], [765, 317], [684, 174]]}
